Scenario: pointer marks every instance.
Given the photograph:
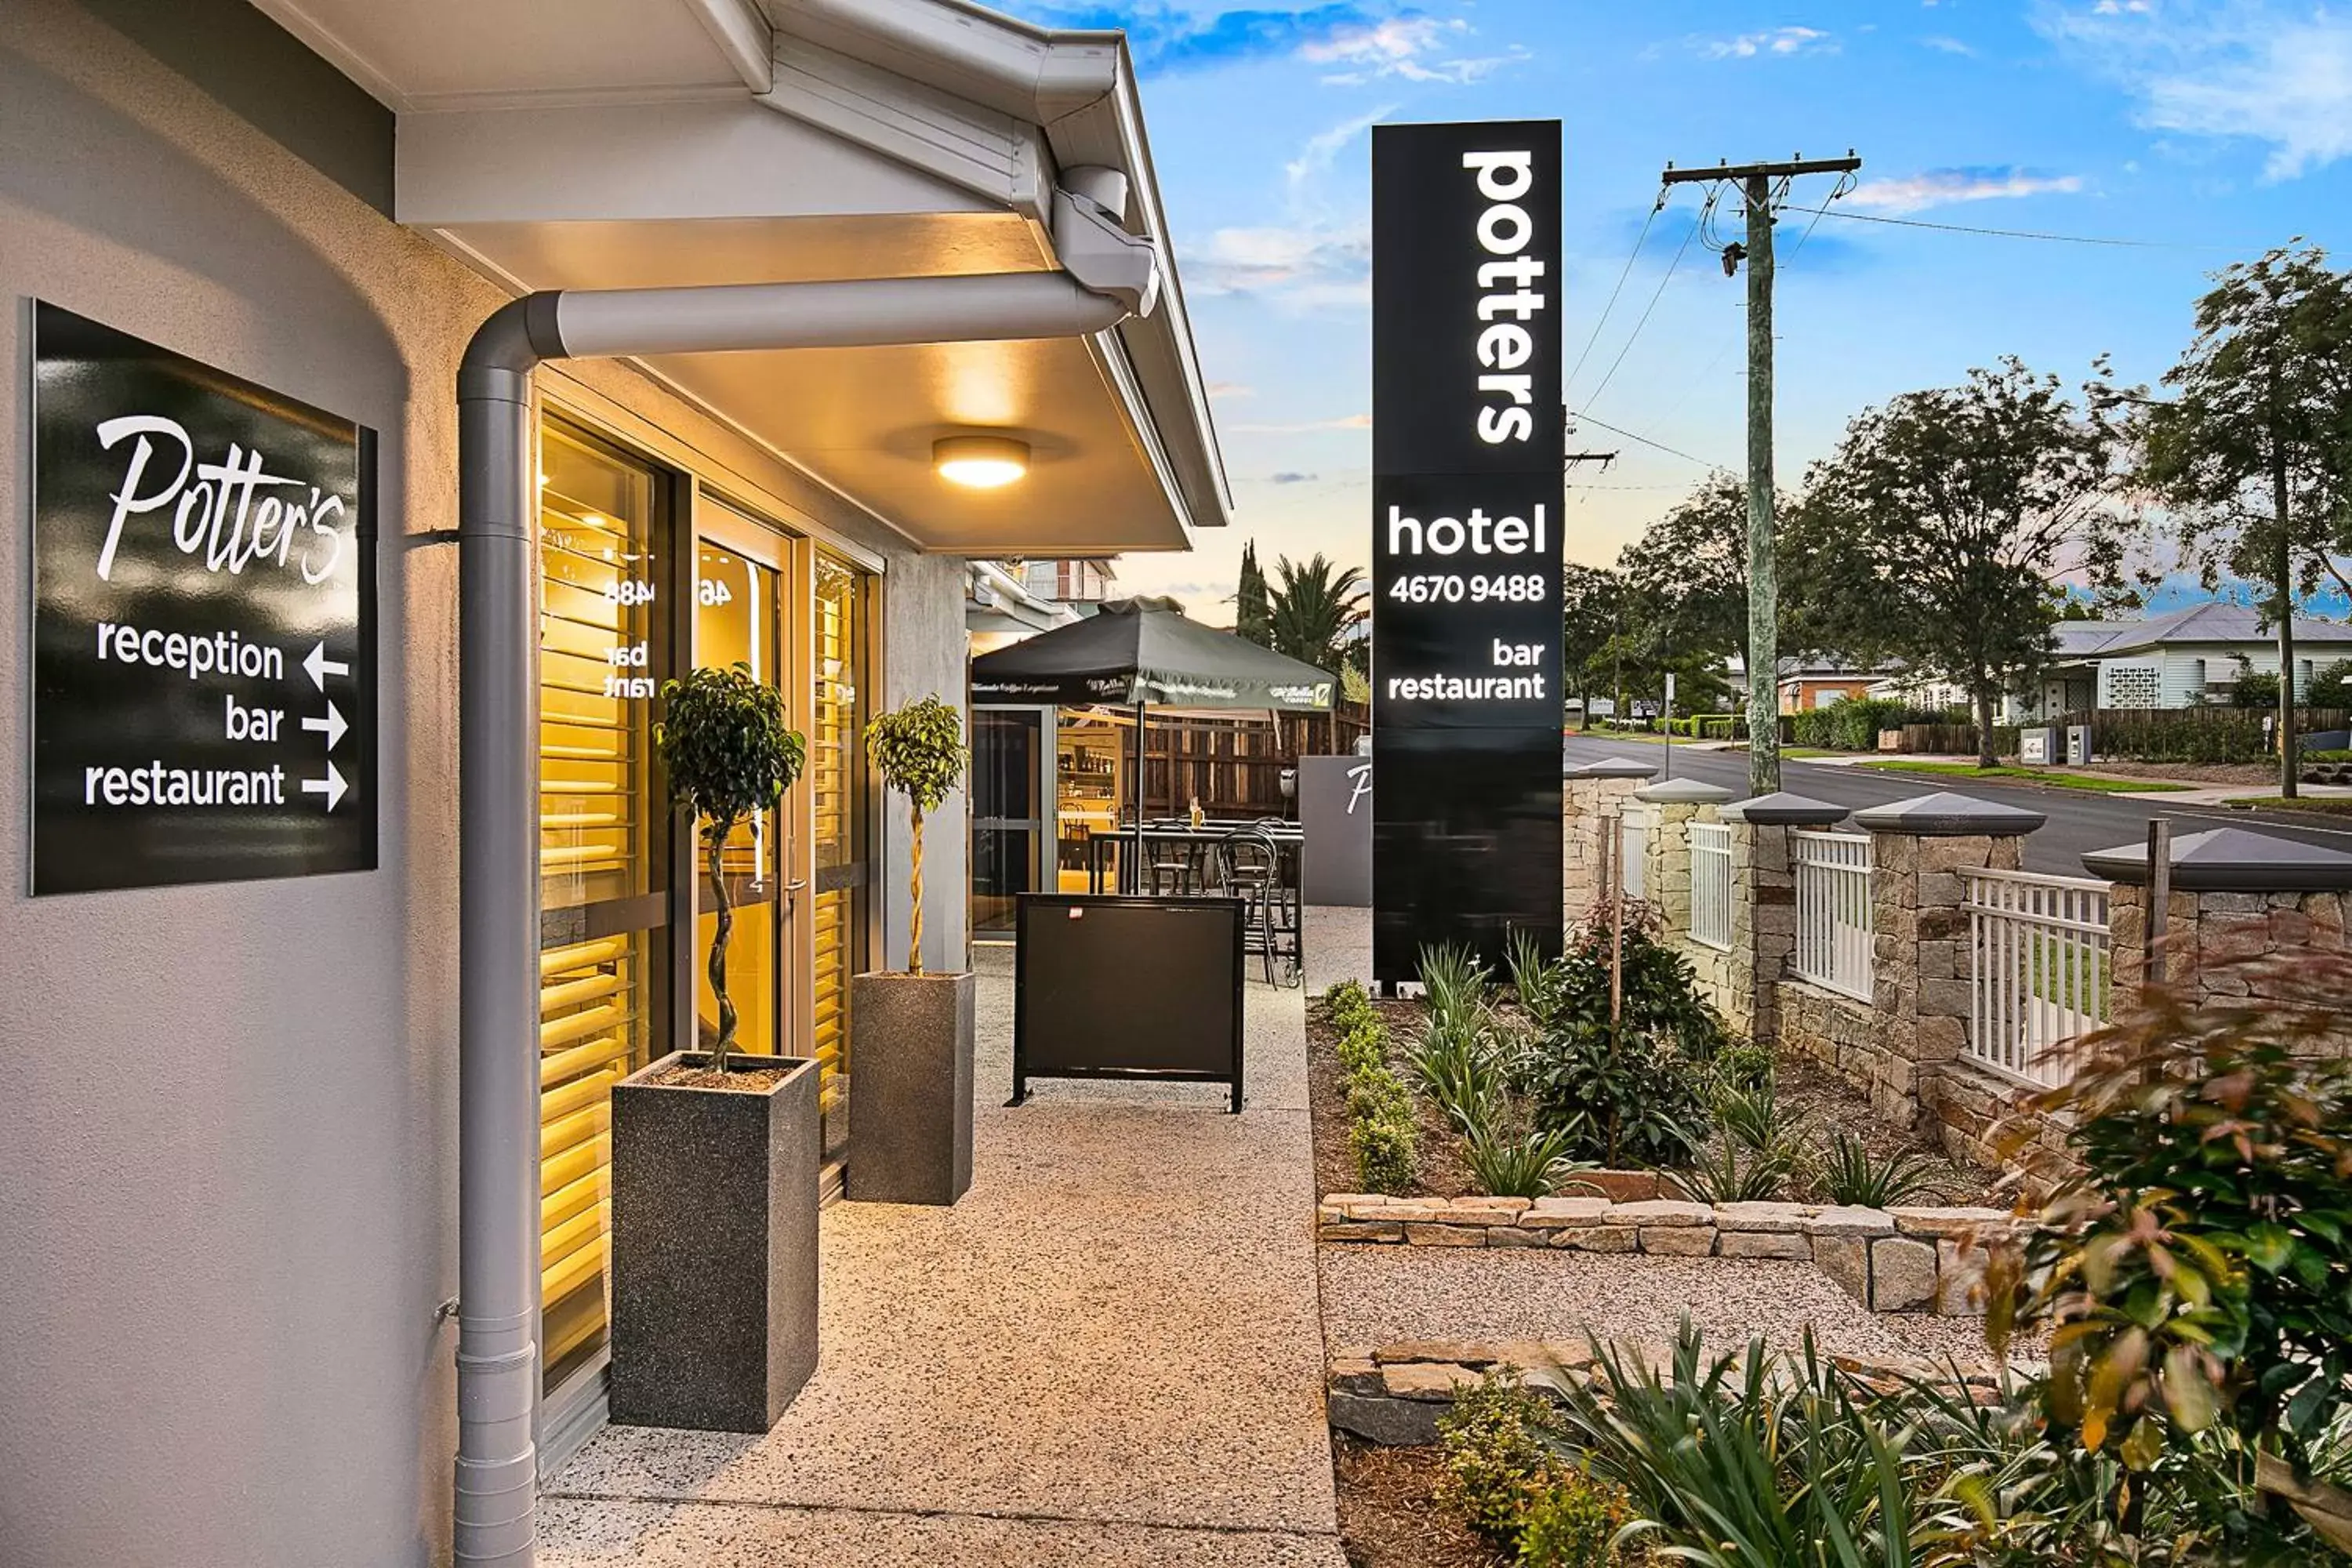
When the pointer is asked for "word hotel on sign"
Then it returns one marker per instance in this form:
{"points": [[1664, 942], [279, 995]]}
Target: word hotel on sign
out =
{"points": [[1479, 533], [1505, 229]]}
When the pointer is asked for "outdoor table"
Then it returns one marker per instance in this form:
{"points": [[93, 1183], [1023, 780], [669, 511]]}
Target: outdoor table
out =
{"points": [[1287, 836]]}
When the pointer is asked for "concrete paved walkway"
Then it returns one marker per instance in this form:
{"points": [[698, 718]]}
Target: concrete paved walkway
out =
{"points": [[1109, 1352]]}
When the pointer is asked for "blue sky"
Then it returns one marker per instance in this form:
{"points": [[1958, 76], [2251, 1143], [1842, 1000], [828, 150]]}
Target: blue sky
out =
{"points": [[2207, 129]]}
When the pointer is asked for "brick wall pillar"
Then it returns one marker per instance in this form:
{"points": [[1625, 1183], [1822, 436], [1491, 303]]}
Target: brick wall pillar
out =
{"points": [[1920, 944], [1764, 904]]}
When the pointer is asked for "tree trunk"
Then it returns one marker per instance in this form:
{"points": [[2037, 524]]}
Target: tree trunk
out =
{"points": [[1986, 756], [725, 911], [915, 922]]}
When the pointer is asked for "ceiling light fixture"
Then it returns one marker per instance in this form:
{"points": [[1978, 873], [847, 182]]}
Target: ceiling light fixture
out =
{"points": [[979, 462]]}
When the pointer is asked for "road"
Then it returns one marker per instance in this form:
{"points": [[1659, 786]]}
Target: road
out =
{"points": [[2079, 822]]}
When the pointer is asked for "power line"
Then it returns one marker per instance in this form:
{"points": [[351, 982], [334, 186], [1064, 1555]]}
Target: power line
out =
{"points": [[2012, 233], [1655, 207], [1846, 183], [1661, 445], [1594, 396]]}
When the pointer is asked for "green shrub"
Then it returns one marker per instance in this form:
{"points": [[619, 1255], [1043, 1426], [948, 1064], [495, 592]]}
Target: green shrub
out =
{"points": [[2331, 687], [1853, 1175], [1744, 1066], [2257, 688], [1735, 1174], [1634, 1099], [1637, 1092], [1365, 1045], [1496, 1440], [1453, 983], [1345, 997], [1514, 1161], [1850, 724], [1573, 1523], [2200, 1273], [1538, 978], [1387, 1149], [1741, 1461]]}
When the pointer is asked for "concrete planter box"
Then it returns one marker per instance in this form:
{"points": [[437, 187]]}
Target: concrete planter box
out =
{"points": [[910, 1044], [714, 1248]]}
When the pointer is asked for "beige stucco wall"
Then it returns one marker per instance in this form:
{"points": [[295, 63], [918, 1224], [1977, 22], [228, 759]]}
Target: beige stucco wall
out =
{"points": [[227, 1135]]}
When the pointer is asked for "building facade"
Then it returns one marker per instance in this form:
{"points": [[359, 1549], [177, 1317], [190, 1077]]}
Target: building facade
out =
{"points": [[232, 1143]]}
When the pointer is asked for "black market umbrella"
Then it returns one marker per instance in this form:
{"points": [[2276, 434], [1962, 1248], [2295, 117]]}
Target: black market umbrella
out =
{"points": [[1136, 652]]}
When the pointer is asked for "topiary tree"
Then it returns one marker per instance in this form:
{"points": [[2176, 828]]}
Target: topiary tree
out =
{"points": [[727, 753], [919, 750]]}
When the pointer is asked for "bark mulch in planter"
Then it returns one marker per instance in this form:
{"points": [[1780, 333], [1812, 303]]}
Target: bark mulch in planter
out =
{"points": [[1828, 1106], [1390, 1515], [1442, 1174]]}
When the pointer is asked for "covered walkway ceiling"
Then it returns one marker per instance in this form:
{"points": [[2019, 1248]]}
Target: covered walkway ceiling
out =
{"points": [[627, 144]]}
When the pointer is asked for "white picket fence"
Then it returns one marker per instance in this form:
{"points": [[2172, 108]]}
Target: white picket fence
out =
{"points": [[2039, 969], [1710, 882], [1634, 877], [1834, 922]]}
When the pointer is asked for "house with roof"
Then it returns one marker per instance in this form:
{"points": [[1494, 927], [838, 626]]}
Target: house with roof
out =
{"points": [[2184, 659]]}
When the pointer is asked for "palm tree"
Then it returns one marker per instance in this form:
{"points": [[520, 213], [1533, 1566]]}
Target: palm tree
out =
{"points": [[1315, 608]]}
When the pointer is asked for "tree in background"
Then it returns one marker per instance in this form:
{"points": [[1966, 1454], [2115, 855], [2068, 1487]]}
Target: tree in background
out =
{"points": [[1936, 528], [1589, 600], [2255, 455], [1253, 615], [1314, 610], [1689, 569]]}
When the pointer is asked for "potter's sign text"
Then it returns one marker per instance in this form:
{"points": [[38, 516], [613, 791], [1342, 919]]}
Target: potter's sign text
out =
{"points": [[203, 701]]}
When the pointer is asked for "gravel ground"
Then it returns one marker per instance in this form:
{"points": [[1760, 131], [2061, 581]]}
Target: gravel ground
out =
{"points": [[1373, 1295]]}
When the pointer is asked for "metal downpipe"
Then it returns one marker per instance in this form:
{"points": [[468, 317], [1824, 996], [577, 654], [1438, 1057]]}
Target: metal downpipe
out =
{"points": [[497, 924]]}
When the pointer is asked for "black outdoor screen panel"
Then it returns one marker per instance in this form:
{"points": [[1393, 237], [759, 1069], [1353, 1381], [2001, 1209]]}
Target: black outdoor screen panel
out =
{"points": [[204, 666], [1467, 443], [1107, 986]]}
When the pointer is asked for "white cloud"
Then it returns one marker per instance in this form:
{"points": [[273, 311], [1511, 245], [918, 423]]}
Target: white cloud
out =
{"points": [[1232, 389], [1306, 265], [2274, 74], [1944, 188], [1776, 41], [1943, 44], [1412, 47], [1315, 156]]}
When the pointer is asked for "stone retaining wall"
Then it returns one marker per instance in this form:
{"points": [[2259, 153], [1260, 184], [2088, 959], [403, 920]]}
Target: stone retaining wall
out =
{"points": [[1392, 1395], [1903, 1259]]}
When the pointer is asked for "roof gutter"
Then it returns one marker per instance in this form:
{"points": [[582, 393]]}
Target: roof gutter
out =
{"points": [[1110, 276]]}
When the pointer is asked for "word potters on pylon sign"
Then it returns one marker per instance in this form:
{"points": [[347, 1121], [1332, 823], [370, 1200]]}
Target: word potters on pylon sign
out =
{"points": [[203, 587], [1466, 538]]}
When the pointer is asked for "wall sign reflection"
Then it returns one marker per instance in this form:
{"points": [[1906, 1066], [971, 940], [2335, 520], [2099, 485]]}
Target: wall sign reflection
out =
{"points": [[204, 622]]}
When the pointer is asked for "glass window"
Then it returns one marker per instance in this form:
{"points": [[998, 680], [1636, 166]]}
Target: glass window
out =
{"points": [[838, 783], [603, 858]]}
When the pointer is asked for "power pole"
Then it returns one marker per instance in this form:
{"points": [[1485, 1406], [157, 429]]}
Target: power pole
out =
{"points": [[1763, 582]]}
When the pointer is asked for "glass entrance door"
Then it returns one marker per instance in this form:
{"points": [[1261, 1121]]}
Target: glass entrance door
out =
{"points": [[1009, 785], [742, 616], [841, 609]]}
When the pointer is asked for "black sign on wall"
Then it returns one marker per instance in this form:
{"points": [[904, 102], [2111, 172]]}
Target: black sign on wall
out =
{"points": [[1467, 461], [203, 584]]}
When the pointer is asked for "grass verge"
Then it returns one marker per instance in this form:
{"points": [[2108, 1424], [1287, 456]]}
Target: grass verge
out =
{"points": [[2326, 806], [2026, 775]]}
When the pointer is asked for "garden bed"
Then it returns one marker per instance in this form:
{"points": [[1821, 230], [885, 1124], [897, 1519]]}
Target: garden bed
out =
{"points": [[1390, 1515], [1443, 1170], [1808, 1091]]}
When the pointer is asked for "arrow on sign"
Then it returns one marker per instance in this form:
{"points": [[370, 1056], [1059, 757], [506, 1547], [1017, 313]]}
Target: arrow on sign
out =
{"points": [[320, 666], [331, 786], [333, 724]]}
